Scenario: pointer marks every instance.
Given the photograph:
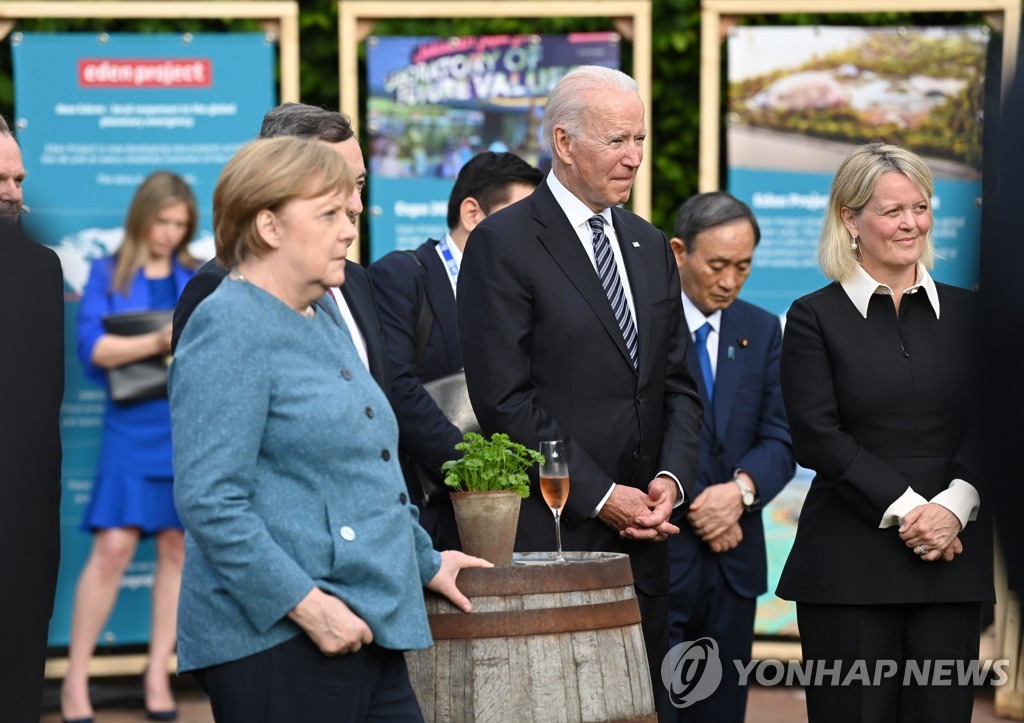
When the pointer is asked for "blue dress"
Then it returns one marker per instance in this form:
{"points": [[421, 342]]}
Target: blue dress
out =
{"points": [[134, 476]]}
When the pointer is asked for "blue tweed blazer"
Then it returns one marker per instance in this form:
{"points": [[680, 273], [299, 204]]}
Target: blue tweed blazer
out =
{"points": [[287, 478]]}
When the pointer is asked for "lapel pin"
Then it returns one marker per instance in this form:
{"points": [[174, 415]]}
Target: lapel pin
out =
{"points": [[636, 244], [744, 343], [732, 352]]}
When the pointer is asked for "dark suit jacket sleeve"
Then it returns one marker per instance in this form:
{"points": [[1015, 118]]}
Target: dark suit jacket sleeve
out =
{"points": [[770, 460], [424, 430], [198, 288], [861, 478], [683, 408], [31, 392]]}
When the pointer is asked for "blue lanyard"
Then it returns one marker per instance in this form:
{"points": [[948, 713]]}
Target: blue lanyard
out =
{"points": [[449, 260]]}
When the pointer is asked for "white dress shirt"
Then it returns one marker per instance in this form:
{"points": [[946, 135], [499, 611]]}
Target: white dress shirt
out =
{"points": [[695, 319], [350, 322]]}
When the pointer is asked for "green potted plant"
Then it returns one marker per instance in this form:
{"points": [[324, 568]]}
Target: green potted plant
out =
{"points": [[491, 481]]}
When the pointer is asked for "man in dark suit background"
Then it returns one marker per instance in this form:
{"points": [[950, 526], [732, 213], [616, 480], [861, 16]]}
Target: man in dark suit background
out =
{"points": [[31, 390], [415, 294], [746, 457], [354, 298], [551, 354]]}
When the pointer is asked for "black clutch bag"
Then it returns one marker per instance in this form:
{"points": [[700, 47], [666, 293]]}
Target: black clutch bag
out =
{"points": [[452, 398], [145, 378]]}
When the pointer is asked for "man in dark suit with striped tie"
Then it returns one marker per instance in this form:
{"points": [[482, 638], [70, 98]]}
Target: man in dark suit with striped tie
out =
{"points": [[571, 328]]}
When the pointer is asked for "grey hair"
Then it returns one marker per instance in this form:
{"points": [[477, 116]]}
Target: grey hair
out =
{"points": [[708, 210], [568, 102], [306, 121], [853, 187], [5, 130]]}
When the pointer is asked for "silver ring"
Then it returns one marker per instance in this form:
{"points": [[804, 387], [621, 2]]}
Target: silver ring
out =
{"points": [[922, 549]]}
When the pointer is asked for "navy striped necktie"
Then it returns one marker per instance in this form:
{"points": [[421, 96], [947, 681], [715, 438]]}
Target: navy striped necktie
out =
{"points": [[609, 276]]}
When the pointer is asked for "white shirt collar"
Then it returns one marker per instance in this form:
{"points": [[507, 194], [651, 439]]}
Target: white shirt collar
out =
{"points": [[695, 318], [575, 210], [860, 287]]}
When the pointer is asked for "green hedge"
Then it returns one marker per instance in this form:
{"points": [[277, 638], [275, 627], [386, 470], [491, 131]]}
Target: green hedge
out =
{"points": [[674, 111]]}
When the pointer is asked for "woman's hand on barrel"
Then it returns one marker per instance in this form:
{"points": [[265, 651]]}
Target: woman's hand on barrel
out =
{"points": [[331, 624], [443, 583]]}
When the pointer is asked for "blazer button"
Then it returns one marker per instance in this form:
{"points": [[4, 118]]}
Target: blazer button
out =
{"points": [[346, 374], [385, 455], [369, 412], [640, 399], [636, 455], [347, 533], [402, 498]]}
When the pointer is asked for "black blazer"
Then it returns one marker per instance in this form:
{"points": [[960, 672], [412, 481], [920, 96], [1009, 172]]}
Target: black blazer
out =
{"points": [[545, 359], [876, 405], [745, 428], [31, 390], [357, 293], [401, 287]]}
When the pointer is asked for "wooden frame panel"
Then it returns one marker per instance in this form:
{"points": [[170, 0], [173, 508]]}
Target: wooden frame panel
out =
{"points": [[280, 17], [717, 16]]}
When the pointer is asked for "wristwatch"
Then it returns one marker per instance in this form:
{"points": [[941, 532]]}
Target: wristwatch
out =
{"points": [[746, 494]]}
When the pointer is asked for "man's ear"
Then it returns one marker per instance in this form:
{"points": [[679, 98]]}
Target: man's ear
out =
{"points": [[470, 213], [268, 227], [562, 144], [678, 250]]}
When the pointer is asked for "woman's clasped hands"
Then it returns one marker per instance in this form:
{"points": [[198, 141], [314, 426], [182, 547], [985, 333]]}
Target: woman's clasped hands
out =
{"points": [[932, 532]]}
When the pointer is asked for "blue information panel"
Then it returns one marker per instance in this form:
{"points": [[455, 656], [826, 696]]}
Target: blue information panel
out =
{"points": [[95, 114]]}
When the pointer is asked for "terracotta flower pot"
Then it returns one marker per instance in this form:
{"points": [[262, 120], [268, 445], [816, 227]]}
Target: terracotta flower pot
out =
{"points": [[487, 524]]}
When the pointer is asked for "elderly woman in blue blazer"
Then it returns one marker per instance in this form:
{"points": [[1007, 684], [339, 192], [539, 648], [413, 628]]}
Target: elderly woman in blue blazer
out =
{"points": [[892, 557], [305, 565]]}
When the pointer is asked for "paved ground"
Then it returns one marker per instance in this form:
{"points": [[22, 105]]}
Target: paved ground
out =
{"points": [[119, 700]]}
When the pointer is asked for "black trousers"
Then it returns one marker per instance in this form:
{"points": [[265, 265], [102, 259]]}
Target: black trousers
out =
{"points": [[295, 683], [914, 636]]}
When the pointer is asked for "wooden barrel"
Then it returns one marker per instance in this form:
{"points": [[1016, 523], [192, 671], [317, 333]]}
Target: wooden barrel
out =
{"points": [[545, 642]]}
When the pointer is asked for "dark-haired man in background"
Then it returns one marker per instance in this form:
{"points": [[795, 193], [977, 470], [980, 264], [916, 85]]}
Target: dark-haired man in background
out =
{"points": [[415, 294], [718, 558]]}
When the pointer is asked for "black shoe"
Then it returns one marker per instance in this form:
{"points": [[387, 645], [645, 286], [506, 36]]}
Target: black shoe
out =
{"points": [[82, 720], [154, 715]]}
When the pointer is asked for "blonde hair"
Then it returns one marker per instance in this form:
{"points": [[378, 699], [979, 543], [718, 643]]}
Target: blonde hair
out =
{"points": [[853, 187], [159, 191], [266, 174]]}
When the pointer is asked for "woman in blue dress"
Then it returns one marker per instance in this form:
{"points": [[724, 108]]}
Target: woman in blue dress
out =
{"points": [[132, 496]]}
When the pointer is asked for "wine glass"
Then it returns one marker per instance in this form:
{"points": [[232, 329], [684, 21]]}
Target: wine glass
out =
{"points": [[554, 484]]}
